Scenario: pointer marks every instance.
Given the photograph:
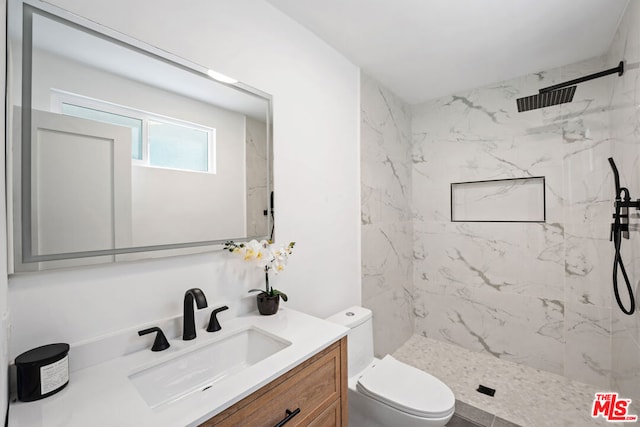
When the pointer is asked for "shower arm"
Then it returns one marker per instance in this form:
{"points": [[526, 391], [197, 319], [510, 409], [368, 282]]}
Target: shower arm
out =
{"points": [[619, 69]]}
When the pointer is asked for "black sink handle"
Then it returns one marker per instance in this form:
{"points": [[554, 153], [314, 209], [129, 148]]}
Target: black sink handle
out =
{"points": [[160, 342], [214, 325]]}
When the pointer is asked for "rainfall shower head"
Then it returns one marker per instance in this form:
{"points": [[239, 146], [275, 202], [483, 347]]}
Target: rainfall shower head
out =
{"points": [[546, 99], [561, 93]]}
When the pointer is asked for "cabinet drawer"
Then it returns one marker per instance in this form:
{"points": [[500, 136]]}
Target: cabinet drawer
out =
{"points": [[313, 386], [331, 417]]}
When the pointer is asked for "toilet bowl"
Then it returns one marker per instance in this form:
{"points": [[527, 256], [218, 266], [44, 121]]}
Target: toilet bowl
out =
{"points": [[386, 392]]}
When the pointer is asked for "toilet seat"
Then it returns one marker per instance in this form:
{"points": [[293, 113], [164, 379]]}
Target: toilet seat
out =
{"points": [[407, 389]]}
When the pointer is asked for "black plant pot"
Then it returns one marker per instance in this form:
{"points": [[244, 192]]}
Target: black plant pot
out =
{"points": [[268, 305]]}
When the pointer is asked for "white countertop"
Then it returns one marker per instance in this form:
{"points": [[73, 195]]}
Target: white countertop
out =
{"points": [[103, 395]]}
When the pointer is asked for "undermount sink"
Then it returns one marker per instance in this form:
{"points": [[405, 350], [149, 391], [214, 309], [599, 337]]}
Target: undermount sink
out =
{"points": [[203, 366]]}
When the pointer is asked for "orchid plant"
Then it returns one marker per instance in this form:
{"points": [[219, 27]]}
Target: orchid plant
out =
{"points": [[265, 255]]}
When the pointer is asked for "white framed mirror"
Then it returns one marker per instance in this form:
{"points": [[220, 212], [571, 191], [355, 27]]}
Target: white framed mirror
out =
{"points": [[118, 150]]}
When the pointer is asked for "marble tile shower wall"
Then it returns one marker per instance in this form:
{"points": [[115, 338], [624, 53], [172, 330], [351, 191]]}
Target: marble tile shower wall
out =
{"points": [[625, 132], [256, 157], [387, 233], [533, 293]]}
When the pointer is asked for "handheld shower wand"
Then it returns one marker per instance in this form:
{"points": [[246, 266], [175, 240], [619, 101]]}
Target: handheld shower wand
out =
{"points": [[620, 229]]}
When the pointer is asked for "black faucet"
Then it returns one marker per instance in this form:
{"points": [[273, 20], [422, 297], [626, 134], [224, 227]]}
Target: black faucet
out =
{"points": [[189, 323]]}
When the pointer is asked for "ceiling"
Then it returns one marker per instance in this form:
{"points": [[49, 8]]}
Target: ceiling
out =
{"points": [[137, 64], [423, 49]]}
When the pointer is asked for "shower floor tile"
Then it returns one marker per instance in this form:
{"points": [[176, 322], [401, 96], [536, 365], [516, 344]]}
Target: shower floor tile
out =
{"points": [[524, 396]]}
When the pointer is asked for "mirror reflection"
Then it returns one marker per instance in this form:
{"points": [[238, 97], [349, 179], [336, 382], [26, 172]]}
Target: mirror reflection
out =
{"points": [[125, 148]]}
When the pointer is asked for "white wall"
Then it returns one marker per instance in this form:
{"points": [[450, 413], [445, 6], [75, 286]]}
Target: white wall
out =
{"points": [[159, 197], [316, 138], [4, 346]]}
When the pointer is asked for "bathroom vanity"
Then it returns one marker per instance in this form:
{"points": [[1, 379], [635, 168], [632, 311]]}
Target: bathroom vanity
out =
{"points": [[256, 371]]}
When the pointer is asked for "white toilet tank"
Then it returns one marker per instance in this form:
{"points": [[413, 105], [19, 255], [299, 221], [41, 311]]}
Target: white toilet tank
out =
{"points": [[359, 338]]}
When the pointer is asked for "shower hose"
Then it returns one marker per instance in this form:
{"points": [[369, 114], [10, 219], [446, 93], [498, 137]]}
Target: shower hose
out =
{"points": [[617, 261]]}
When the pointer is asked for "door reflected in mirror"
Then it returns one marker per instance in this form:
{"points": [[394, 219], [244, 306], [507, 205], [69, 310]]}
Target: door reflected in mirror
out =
{"points": [[122, 151]]}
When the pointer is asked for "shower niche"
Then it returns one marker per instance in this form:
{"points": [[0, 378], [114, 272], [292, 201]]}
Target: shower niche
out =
{"points": [[500, 200]]}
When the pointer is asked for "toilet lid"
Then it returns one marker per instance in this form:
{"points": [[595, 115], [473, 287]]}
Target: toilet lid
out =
{"points": [[407, 389]]}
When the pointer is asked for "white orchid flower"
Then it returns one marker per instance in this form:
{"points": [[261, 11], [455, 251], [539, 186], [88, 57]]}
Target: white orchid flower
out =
{"points": [[267, 257], [264, 254]]}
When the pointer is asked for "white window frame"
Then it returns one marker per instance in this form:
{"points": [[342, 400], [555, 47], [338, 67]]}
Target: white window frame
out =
{"points": [[59, 97]]}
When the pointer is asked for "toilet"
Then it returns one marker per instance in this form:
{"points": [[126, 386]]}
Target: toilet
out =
{"points": [[386, 392]]}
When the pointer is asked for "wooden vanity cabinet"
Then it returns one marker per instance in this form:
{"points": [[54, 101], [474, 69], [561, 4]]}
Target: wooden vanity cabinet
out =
{"points": [[317, 387]]}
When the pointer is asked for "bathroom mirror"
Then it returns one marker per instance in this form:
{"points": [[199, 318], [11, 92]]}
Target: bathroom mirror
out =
{"points": [[119, 151]]}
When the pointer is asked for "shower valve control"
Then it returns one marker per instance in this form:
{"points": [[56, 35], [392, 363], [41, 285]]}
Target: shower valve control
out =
{"points": [[627, 203]]}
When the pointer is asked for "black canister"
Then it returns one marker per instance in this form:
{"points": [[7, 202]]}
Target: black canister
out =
{"points": [[42, 371]]}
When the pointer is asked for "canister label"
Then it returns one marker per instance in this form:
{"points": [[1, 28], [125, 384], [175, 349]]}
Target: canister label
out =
{"points": [[54, 376]]}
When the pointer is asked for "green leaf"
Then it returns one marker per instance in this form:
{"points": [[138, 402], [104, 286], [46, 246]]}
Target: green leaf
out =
{"points": [[282, 294], [255, 290]]}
